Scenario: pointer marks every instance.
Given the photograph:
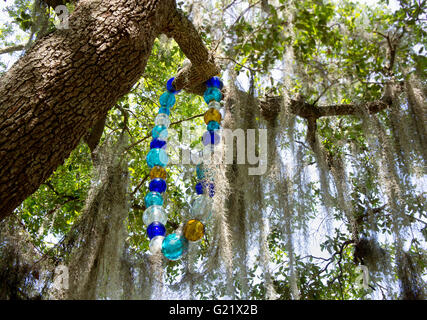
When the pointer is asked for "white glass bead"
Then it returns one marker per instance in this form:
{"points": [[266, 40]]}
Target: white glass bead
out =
{"points": [[162, 119], [156, 244], [155, 213], [214, 104]]}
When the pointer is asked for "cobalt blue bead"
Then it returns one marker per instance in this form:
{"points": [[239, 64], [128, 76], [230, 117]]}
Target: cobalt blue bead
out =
{"points": [[212, 93], [210, 137], [211, 188], [215, 82], [159, 132], [164, 110], [199, 188], [167, 99], [153, 199], [157, 157], [170, 87], [156, 143], [156, 229], [213, 125], [157, 185]]}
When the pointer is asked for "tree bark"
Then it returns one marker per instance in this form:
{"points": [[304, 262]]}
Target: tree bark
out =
{"points": [[68, 81]]}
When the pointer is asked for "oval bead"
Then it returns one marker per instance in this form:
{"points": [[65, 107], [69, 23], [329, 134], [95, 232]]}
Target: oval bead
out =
{"points": [[167, 99], [214, 104], [162, 120], [155, 213], [159, 132], [200, 172], [156, 143], [194, 230], [156, 244], [201, 208], [164, 110], [157, 185], [157, 157], [199, 188], [174, 246], [211, 137], [158, 172], [212, 115], [156, 229], [213, 125], [215, 82], [153, 199], [212, 93]]}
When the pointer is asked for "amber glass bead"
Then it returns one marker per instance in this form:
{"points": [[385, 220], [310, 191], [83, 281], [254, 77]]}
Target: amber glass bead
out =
{"points": [[194, 230], [158, 172], [212, 115]]}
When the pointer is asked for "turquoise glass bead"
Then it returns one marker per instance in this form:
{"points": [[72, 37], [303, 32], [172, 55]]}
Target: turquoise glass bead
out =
{"points": [[164, 110], [174, 246], [159, 132], [213, 125], [157, 157], [155, 213], [200, 172], [167, 99], [153, 198], [212, 94]]}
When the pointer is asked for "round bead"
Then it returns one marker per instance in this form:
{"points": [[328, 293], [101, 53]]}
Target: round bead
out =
{"points": [[156, 143], [213, 125], [156, 244], [156, 229], [199, 188], [159, 132], [155, 213], [212, 93], [173, 246], [153, 199], [170, 87], [157, 157], [162, 120], [167, 99], [194, 230], [158, 172], [212, 115], [215, 82], [215, 104], [211, 137], [164, 110], [200, 172], [157, 185], [201, 208]]}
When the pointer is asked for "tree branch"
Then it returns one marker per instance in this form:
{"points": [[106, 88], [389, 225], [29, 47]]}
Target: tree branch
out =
{"points": [[12, 48]]}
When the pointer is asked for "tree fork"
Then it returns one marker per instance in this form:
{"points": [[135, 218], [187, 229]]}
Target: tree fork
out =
{"points": [[69, 79]]}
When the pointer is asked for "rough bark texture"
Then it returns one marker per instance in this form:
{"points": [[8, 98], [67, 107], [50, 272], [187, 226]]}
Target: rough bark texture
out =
{"points": [[67, 82]]}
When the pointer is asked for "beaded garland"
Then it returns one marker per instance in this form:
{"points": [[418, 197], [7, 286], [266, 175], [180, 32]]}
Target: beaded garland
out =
{"points": [[174, 245]]}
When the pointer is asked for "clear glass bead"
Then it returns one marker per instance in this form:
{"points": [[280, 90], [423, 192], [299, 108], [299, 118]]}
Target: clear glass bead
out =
{"points": [[156, 244], [162, 119], [201, 208], [155, 213]]}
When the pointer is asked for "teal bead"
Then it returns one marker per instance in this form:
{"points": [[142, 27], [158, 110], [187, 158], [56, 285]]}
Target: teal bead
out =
{"points": [[200, 172], [174, 246], [159, 132], [167, 99], [153, 198], [157, 157], [164, 110], [213, 125], [212, 94]]}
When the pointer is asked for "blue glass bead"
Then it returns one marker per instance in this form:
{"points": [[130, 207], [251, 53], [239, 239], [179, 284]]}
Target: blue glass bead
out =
{"points": [[200, 172], [211, 188], [164, 110], [153, 199], [159, 132], [157, 157], [167, 99], [212, 94], [157, 185], [156, 229], [199, 188], [215, 82], [170, 87], [156, 143], [174, 246], [213, 125], [211, 137]]}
